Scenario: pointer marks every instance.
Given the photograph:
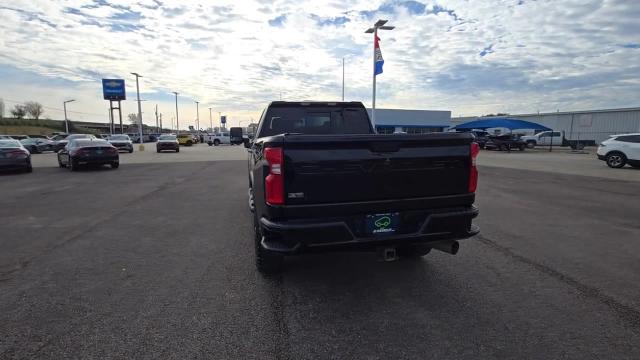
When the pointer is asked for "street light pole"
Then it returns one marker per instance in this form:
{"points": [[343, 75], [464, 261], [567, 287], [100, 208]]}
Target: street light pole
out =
{"points": [[141, 148], [177, 127], [66, 120], [198, 118], [380, 24], [342, 78], [210, 120]]}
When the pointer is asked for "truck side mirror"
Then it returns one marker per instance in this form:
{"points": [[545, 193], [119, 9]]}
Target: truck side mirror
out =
{"points": [[247, 143]]}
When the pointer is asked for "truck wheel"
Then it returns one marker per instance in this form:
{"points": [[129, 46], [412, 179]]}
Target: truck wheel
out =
{"points": [[267, 262], [216, 142], [189, 143], [413, 251], [521, 147], [580, 146], [616, 160], [504, 147], [531, 144], [210, 143]]}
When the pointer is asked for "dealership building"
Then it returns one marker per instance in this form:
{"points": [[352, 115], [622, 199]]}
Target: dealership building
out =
{"points": [[595, 125], [389, 121]]}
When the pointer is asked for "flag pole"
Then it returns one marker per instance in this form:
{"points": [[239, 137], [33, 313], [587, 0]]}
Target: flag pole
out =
{"points": [[373, 70]]}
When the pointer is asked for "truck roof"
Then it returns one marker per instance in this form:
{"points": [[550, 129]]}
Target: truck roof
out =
{"points": [[315, 103]]}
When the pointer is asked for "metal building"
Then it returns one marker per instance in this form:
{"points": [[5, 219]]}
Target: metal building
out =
{"points": [[580, 125], [389, 121]]}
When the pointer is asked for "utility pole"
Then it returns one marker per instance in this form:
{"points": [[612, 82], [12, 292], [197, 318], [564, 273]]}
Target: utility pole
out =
{"points": [[160, 129], [177, 126], [157, 118], [380, 24], [66, 120], [198, 118], [141, 148]]}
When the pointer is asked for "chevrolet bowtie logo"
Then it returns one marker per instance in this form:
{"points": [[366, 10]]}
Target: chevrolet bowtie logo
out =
{"points": [[112, 84]]}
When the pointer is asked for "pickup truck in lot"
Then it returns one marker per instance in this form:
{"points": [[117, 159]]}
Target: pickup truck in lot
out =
{"points": [[321, 179]]}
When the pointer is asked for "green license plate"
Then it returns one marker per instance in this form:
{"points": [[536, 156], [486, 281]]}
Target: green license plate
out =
{"points": [[382, 224]]}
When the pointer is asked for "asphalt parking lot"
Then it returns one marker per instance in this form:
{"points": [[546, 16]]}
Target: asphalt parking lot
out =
{"points": [[155, 260]]}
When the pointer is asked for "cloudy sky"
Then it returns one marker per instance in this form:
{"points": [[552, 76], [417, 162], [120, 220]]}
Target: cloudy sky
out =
{"points": [[470, 57]]}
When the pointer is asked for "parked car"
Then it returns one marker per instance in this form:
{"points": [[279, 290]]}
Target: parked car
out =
{"points": [[167, 142], [88, 151], [235, 136], [555, 138], [481, 137], [504, 143], [38, 145], [5, 137], [218, 139], [620, 150], [320, 178], [19, 137], [121, 142], [185, 139], [58, 137], [39, 136], [60, 144], [13, 156]]}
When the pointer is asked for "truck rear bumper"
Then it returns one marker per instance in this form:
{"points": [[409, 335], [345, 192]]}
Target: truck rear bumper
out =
{"points": [[313, 235]]}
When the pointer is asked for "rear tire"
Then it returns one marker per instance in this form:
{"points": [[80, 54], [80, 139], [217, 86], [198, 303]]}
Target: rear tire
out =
{"points": [[616, 160], [29, 168], [115, 165], [504, 147], [130, 151], [189, 143], [521, 147], [72, 166], [178, 150], [413, 251], [267, 262], [216, 142]]}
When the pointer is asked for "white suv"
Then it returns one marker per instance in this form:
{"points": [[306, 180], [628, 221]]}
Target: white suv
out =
{"points": [[621, 150]]}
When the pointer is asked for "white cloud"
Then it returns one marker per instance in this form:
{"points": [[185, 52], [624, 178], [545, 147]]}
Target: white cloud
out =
{"points": [[542, 55]]}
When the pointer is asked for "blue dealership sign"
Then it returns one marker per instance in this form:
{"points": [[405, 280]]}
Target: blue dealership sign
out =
{"points": [[113, 89]]}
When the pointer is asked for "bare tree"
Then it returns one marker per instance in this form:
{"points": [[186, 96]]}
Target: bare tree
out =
{"points": [[33, 109], [133, 118], [1, 108], [18, 111]]}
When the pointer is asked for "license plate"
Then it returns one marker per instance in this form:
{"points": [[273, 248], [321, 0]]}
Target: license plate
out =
{"points": [[382, 224], [99, 152]]}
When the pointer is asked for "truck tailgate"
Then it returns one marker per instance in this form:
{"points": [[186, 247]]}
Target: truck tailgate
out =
{"points": [[347, 168]]}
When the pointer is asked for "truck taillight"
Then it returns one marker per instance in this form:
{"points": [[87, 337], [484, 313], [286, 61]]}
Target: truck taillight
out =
{"points": [[473, 169], [274, 182]]}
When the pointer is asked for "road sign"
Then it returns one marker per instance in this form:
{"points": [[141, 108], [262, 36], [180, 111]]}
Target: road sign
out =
{"points": [[223, 119], [113, 89]]}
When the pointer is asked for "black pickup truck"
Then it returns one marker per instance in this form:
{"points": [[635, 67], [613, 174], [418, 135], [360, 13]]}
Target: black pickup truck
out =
{"points": [[321, 179]]}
